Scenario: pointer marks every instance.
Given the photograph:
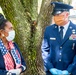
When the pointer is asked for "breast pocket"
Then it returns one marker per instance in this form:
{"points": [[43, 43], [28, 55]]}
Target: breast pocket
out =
{"points": [[53, 43]]}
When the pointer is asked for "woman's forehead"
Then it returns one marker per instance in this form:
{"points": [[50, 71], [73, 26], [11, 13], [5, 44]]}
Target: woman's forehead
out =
{"points": [[9, 24]]}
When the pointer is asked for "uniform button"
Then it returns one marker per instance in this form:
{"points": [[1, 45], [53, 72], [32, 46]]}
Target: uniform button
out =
{"points": [[55, 26], [59, 59], [60, 54], [60, 47]]}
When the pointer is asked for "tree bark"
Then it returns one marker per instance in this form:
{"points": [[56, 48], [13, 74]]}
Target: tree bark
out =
{"points": [[29, 27], [44, 19], [15, 13]]}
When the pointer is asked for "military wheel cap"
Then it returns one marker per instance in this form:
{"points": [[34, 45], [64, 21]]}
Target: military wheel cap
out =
{"points": [[59, 7]]}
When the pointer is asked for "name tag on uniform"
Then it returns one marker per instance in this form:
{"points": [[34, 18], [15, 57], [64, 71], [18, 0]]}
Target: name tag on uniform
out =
{"points": [[51, 38]]}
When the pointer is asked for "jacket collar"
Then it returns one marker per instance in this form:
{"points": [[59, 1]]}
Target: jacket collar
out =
{"points": [[67, 35]]}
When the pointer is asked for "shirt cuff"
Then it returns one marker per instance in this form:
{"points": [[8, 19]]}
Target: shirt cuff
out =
{"points": [[23, 68]]}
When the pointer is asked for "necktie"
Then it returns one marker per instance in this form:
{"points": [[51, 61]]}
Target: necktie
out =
{"points": [[61, 32]]}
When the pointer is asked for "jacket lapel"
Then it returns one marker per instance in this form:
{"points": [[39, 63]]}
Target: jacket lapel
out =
{"points": [[56, 33], [68, 33]]}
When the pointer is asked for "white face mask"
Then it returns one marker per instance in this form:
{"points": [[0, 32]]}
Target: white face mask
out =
{"points": [[11, 35]]}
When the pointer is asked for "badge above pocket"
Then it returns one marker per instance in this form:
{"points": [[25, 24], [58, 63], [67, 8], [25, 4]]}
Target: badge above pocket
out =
{"points": [[52, 38]]}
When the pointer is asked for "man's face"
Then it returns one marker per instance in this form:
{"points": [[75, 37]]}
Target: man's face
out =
{"points": [[61, 19]]}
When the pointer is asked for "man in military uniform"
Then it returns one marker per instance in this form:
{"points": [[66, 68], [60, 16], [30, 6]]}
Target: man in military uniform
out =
{"points": [[59, 43]]}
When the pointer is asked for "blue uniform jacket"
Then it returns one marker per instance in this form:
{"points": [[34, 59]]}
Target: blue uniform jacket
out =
{"points": [[57, 53], [2, 65]]}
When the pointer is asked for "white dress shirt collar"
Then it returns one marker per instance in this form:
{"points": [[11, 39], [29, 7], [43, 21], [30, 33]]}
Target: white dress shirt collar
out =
{"points": [[65, 28]]}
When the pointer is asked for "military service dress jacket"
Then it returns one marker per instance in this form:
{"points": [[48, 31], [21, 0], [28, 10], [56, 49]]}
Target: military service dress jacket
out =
{"points": [[57, 53]]}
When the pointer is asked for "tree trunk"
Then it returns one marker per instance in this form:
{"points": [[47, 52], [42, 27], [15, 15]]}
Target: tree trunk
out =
{"points": [[15, 12], [44, 19], [29, 26], [67, 1]]}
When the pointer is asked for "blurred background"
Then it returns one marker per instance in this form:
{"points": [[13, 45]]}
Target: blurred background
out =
{"points": [[29, 18]]}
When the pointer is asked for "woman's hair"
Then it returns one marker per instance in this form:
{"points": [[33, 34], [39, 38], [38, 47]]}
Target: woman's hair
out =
{"points": [[2, 21], [2, 26]]}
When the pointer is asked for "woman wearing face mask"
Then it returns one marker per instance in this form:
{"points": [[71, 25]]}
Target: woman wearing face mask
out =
{"points": [[11, 60], [59, 43]]}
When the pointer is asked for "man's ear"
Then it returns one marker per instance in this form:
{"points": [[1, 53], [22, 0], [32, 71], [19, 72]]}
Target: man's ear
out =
{"points": [[67, 14]]}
